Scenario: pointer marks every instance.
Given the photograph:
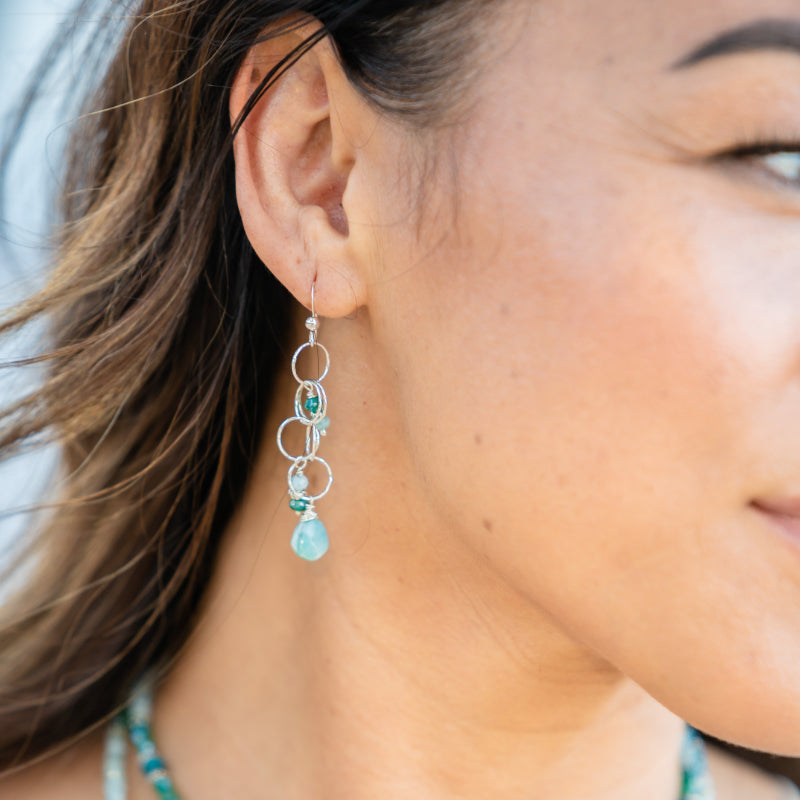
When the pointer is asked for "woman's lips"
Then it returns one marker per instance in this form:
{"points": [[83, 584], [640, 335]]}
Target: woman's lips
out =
{"points": [[785, 506], [784, 512]]}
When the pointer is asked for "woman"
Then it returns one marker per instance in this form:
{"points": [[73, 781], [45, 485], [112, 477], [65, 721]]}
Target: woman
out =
{"points": [[551, 253]]}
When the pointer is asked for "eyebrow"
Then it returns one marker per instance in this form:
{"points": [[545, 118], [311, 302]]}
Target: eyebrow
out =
{"points": [[763, 34]]}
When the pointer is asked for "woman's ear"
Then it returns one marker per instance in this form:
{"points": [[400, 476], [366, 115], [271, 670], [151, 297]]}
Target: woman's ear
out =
{"points": [[293, 159]]}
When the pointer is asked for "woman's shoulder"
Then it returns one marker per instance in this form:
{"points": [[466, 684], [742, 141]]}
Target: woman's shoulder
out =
{"points": [[736, 779]]}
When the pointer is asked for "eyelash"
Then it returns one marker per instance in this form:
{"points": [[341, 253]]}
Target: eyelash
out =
{"points": [[775, 157]]}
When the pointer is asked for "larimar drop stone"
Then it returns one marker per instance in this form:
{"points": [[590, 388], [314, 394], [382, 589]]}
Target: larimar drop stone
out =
{"points": [[310, 539]]}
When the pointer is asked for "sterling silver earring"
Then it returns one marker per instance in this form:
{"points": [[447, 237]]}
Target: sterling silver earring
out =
{"points": [[310, 539]]}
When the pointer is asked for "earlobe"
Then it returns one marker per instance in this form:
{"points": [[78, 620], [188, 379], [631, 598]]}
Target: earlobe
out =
{"points": [[293, 161]]}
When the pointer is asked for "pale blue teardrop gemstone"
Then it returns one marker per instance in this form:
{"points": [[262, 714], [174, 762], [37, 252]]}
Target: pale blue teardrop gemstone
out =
{"points": [[299, 483], [310, 540]]}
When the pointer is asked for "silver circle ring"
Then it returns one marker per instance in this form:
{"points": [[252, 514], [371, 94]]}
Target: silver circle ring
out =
{"points": [[299, 350], [311, 460], [311, 447]]}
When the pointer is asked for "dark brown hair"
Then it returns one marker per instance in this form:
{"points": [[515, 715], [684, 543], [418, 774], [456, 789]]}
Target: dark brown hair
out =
{"points": [[165, 332]]}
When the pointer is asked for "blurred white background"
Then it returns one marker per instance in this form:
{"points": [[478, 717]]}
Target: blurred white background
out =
{"points": [[26, 27]]}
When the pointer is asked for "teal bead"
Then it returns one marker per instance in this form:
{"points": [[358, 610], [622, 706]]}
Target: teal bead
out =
{"points": [[153, 763], [310, 539], [312, 404], [323, 424], [299, 483], [298, 504]]}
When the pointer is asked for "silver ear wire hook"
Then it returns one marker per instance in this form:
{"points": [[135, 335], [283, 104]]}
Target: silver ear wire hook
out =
{"points": [[312, 323]]}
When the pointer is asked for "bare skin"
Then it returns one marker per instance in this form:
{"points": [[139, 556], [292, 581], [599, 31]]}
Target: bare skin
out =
{"points": [[553, 408]]}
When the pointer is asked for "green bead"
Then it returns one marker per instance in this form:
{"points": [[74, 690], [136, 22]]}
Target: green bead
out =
{"points": [[298, 505], [312, 404], [323, 424]]}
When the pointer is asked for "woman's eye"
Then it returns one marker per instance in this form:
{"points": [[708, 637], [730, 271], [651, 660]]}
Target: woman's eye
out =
{"points": [[780, 161], [786, 164]]}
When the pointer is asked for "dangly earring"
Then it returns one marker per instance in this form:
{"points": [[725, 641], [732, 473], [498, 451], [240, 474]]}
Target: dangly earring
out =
{"points": [[310, 539]]}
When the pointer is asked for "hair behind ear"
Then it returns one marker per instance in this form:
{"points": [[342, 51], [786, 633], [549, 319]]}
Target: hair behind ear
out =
{"points": [[166, 330]]}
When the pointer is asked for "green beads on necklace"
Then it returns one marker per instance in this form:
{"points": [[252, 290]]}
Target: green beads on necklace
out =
{"points": [[696, 783], [136, 719]]}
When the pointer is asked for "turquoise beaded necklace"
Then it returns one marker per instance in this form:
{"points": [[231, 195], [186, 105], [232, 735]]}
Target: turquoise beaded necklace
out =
{"points": [[134, 724]]}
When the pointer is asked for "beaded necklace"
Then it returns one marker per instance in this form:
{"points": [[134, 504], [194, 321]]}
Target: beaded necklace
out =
{"points": [[134, 723]]}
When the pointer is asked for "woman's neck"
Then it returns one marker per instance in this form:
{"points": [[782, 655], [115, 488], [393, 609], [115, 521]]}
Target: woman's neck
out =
{"points": [[400, 665], [394, 667]]}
